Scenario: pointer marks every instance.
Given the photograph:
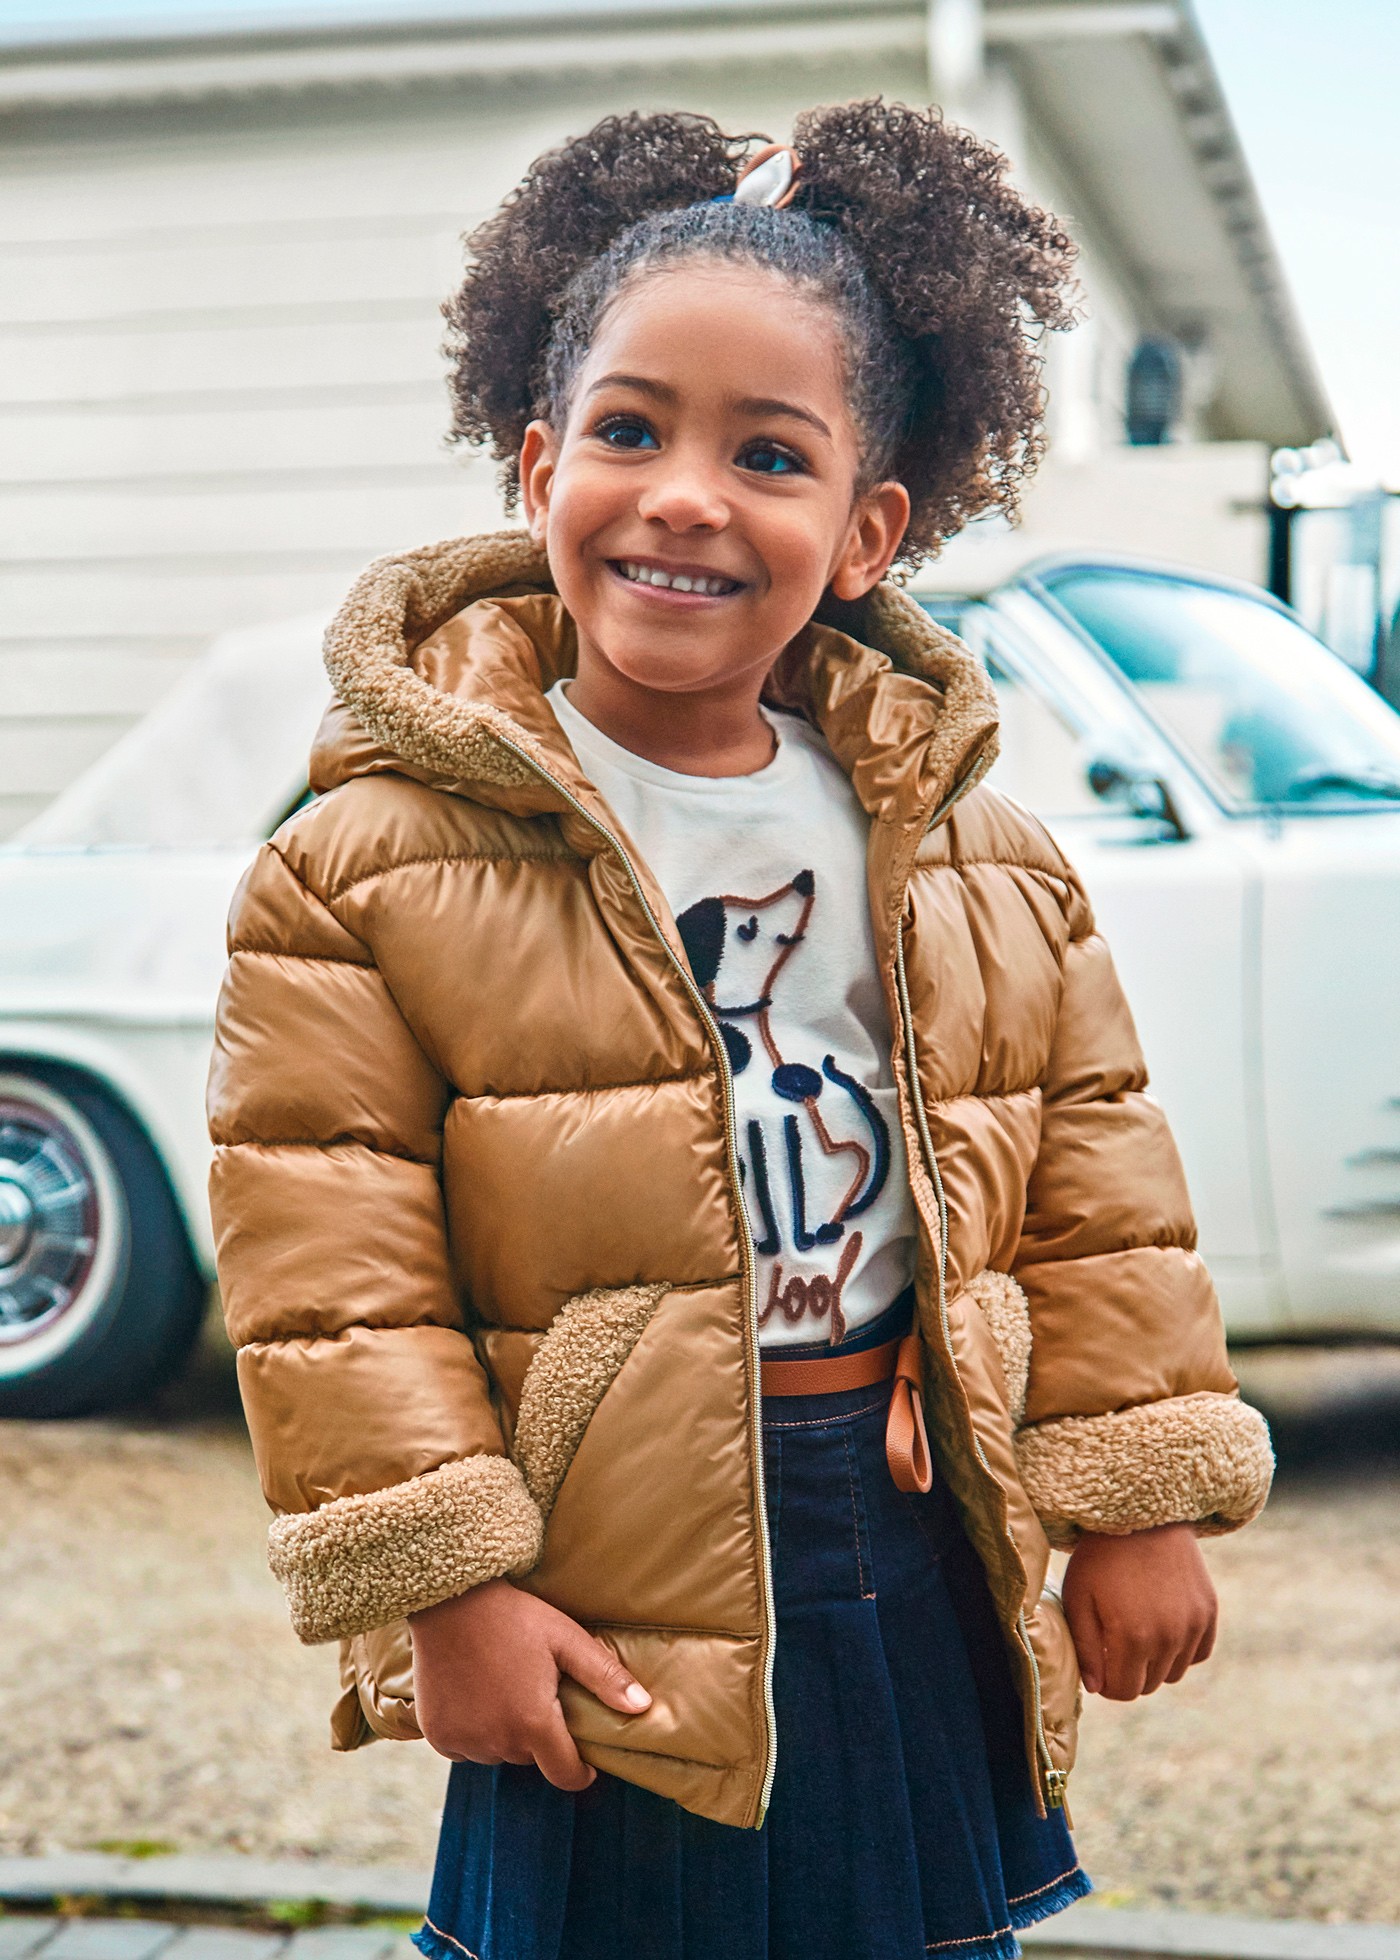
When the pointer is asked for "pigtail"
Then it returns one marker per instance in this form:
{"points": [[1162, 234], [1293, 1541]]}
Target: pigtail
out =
{"points": [[572, 205], [971, 275]]}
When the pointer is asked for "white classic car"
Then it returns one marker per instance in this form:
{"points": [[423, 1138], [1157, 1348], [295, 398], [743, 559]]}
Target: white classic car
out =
{"points": [[1229, 790]]}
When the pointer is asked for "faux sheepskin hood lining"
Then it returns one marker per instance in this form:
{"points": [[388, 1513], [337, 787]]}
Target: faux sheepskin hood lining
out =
{"points": [[441, 657]]}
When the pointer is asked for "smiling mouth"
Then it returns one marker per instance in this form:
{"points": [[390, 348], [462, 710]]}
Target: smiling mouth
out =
{"points": [[703, 585]]}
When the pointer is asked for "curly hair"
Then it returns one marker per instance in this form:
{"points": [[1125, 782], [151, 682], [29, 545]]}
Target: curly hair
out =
{"points": [[939, 275]]}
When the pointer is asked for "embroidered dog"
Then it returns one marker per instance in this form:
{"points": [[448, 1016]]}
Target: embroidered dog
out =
{"points": [[739, 950]]}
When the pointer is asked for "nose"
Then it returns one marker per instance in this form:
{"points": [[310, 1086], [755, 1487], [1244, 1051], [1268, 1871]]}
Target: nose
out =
{"points": [[685, 493]]}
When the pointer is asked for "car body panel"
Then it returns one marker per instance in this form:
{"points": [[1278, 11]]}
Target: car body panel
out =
{"points": [[111, 964], [1330, 1065]]}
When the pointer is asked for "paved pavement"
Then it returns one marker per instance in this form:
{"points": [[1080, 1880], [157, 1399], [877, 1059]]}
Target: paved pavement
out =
{"points": [[1084, 1932], [35, 1938]]}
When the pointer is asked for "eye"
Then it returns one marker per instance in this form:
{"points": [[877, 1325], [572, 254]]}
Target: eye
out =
{"points": [[770, 459], [750, 931], [626, 432]]}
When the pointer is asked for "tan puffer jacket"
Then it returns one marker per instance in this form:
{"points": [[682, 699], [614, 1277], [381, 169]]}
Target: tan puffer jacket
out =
{"points": [[480, 1231]]}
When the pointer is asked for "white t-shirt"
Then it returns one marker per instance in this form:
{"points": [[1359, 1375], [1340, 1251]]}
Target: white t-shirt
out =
{"points": [[766, 877]]}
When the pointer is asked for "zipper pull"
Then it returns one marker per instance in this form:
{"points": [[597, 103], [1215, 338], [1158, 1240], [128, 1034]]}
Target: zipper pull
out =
{"points": [[1056, 1788]]}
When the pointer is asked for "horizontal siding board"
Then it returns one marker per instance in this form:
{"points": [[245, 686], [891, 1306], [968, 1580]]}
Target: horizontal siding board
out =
{"points": [[101, 283], [72, 444], [255, 315], [216, 362], [316, 171], [179, 227], [96, 524], [176, 600]]}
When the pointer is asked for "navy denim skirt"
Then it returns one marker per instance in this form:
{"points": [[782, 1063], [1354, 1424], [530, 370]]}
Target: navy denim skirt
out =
{"points": [[902, 1820]]}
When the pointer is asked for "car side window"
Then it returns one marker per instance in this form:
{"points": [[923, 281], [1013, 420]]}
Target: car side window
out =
{"points": [[1266, 714]]}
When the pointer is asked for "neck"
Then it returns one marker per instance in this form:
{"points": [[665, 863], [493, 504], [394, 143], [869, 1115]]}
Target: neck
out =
{"points": [[712, 731]]}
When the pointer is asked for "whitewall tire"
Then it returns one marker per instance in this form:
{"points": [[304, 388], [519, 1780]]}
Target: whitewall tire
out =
{"points": [[100, 1297]]}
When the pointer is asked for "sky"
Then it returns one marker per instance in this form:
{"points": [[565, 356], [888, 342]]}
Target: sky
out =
{"points": [[1313, 85], [1313, 88]]}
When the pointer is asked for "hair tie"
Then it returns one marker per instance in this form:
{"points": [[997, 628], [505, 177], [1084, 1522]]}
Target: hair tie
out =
{"points": [[770, 179]]}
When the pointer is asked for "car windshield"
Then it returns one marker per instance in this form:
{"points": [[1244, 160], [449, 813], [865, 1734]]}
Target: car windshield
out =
{"points": [[1267, 714]]}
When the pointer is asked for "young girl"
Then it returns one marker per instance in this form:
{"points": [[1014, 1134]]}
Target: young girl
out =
{"points": [[651, 1073]]}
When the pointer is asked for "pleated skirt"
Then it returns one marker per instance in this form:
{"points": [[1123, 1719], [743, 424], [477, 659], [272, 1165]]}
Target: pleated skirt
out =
{"points": [[902, 1820]]}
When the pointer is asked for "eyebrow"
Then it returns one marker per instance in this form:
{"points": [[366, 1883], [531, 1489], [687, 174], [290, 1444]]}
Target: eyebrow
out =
{"points": [[772, 405], [746, 405]]}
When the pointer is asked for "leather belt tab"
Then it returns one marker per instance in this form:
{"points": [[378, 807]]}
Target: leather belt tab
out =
{"points": [[906, 1435], [829, 1374]]}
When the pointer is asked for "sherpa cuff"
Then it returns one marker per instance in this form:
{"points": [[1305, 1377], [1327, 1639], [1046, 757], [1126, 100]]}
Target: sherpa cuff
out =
{"points": [[1200, 1459], [362, 1562]]}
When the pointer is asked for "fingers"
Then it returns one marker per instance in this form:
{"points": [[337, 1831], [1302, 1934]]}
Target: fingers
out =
{"points": [[1140, 1660], [556, 1754], [1128, 1663], [1141, 1609], [1197, 1646], [598, 1669], [1087, 1632]]}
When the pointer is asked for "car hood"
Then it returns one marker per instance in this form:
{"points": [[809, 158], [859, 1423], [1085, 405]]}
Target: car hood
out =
{"points": [[131, 936]]}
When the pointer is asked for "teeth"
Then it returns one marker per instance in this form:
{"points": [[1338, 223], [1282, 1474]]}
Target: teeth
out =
{"points": [[709, 588]]}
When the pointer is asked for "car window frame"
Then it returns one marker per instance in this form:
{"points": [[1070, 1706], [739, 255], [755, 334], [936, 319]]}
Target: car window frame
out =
{"points": [[1083, 686], [1031, 583]]}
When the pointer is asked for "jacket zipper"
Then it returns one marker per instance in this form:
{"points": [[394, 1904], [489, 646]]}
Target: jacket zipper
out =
{"points": [[1053, 1779], [746, 1246]]}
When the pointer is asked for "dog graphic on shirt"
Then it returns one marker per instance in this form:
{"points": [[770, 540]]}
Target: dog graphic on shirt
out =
{"points": [[739, 948]]}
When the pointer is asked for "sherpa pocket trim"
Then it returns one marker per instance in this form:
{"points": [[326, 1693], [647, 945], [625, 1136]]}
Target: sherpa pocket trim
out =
{"points": [[573, 1368], [1007, 1313]]}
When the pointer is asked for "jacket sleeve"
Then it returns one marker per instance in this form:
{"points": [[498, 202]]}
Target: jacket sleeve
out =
{"points": [[1133, 1416], [370, 1414]]}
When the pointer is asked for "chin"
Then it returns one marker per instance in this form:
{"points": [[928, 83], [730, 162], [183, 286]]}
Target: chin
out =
{"points": [[663, 676]]}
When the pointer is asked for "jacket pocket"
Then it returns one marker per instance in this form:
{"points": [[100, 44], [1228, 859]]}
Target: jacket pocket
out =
{"points": [[376, 1676], [1061, 1695]]}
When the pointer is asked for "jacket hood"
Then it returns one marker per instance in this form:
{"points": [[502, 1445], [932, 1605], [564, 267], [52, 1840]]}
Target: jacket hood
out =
{"points": [[441, 658]]}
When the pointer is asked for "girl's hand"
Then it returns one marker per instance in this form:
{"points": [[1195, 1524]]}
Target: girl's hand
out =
{"points": [[1141, 1608], [486, 1670]]}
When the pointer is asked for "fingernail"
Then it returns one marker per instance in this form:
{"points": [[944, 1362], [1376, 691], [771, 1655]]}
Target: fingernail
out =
{"points": [[637, 1697]]}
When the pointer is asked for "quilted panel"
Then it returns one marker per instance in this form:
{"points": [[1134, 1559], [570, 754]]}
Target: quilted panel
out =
{"points": [[551, 1196]]}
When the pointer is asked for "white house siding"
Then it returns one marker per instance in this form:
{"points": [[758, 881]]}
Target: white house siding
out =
{"points": [[220, 385]]}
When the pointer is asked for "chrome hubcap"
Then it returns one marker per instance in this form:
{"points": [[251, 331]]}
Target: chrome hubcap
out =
{"points": [[48, 1218], [16, 1221]]}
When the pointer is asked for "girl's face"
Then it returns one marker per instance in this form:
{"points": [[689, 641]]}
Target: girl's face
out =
{"points": [[702, 497]]}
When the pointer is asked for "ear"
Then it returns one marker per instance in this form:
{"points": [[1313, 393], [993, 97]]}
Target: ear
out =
{"points": [[701, 927], [539, 458], [878, 522]]}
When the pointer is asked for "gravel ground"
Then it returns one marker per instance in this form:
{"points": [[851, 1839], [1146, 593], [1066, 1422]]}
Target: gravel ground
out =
{"points": [[153, 1693]]}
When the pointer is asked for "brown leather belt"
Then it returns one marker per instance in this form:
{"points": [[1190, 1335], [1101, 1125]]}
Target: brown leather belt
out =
{"points": [[906, 1437]]}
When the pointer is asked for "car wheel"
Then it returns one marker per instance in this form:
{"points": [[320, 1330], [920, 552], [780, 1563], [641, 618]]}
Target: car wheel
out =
{"points": [[100, 1297]]}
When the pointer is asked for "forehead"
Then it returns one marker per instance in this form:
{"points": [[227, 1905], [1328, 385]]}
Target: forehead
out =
{"points": [[723, 331]]}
